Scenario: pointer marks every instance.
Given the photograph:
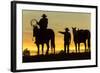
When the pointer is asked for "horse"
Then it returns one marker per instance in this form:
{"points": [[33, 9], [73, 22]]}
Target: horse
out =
{"points": [[44, 37], [80, 36]]}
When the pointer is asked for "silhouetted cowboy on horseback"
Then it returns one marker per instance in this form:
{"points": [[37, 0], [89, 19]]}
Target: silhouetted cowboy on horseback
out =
{"points": [[43, 35], [43, 23]]}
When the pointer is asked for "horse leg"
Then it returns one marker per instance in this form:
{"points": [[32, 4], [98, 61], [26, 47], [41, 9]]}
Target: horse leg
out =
{"points": [[89, 43], [76, 47], [38, 48], [85, 46], [54, 50], [47, 48], [42, 49], [79, 47]]}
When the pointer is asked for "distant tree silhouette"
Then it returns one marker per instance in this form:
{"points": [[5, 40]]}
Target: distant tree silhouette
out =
{"points": [[62, 52], [26, 52], [67, 39], [80, 36]]}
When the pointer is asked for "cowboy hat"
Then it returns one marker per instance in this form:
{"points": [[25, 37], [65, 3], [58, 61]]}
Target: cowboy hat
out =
{"points": [[66, 29], [44, 15]]}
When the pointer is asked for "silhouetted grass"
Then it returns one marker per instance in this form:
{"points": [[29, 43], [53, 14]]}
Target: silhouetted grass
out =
{"points": [[57, 57]]}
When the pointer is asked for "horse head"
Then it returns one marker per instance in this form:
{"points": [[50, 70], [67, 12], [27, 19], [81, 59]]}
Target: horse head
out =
{"points": [[35, 30], [35, 27], [74, 30]]}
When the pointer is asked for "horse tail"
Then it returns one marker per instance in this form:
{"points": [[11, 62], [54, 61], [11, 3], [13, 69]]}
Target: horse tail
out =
{"points": [[53, 42]]}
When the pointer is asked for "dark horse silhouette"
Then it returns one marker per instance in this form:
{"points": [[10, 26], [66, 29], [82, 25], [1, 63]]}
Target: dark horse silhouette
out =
{"points": [[80, 36], [44, 37]]}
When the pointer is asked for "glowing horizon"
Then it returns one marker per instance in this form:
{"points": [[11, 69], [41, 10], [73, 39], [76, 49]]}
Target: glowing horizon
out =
{"points": [[58, 21]]}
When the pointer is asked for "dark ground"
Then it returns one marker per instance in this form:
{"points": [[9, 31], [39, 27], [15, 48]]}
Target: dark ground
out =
{"points": [[57, 57]]}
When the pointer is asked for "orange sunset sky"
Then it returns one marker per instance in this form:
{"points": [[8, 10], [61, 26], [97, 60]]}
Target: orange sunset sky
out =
{"points": [[57, 21]]}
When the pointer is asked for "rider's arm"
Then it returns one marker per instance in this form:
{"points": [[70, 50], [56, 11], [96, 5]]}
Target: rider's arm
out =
{"points": [[61, 32]]}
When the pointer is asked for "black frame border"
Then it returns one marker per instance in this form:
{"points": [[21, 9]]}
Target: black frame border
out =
{"points": [[13, 34]]}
